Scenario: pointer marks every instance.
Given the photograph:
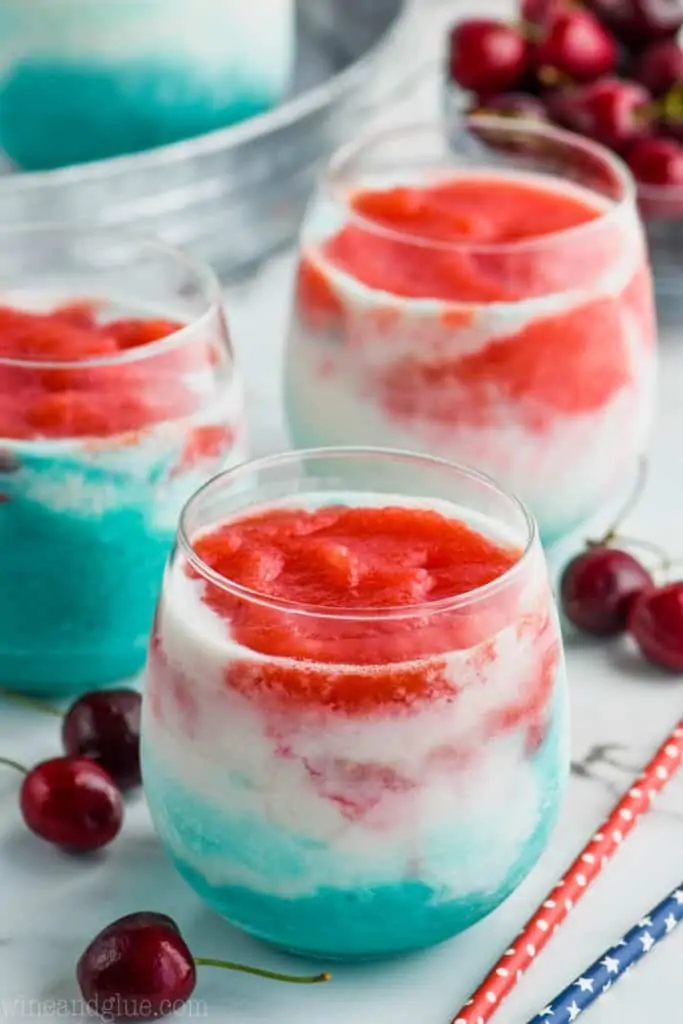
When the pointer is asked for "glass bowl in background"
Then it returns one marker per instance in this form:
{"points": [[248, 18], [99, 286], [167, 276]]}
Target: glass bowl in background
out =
{"points": [[353, 782], [113, 410], [84, 80], [532, 359]]}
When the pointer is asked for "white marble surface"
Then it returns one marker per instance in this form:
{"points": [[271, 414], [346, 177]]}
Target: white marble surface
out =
{"points": [[51, 904]]}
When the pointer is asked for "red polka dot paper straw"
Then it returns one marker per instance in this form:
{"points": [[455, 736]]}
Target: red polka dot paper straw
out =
{"points": [[569, 890]]}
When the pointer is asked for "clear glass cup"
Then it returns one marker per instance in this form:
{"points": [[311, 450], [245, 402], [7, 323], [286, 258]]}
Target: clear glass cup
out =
{"points": [[354, 784], [531, 358], [101, 443]]}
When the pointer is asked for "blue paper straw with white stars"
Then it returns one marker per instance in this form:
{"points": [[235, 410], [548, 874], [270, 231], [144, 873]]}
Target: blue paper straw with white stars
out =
{"points": [[615, 963]]}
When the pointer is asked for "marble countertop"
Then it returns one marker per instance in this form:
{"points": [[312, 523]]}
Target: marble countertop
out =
{"points": [[52, 904]]}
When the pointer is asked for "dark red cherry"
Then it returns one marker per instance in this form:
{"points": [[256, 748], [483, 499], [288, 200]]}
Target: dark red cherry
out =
{"points": [[140, 968], [487, 56], [105, 727], [656, 624], [612, 111], [71, 802], [577, 46], [637, 22], [598, 588], [137, 968], [657, 162], [660, 67], [511, 104]]}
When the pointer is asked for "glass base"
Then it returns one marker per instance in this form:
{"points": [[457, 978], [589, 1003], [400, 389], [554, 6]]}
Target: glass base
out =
{"points": [[359, 926], [209, 846]]}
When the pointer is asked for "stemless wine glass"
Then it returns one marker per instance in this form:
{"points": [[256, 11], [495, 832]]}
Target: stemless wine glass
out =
{"points": [[481, 294], [118, 398], [353, 782]]}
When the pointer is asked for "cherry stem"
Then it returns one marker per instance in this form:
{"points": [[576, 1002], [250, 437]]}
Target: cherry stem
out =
{"points": [[9, 763], [30, 702], [667, 567], [645, 545], [228, 965], [631, 503]]}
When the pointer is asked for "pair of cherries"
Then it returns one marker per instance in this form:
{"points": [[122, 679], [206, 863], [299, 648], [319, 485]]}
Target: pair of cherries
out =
{"points": [[75, 801], [139, 967], [606, 591]]}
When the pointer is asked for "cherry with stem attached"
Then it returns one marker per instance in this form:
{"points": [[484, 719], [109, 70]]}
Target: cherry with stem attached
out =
{"points": [[103, 726], [577, 46], [599, 586], [70, 802], [607, 591], [140, 968], [613, 111]]}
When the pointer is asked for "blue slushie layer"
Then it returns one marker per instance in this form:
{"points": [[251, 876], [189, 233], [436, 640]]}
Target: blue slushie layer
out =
{"points": [[86, 80]]}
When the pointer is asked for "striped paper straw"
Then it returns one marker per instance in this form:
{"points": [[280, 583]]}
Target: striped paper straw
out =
{"points": [[570, 889], [614, 962]]}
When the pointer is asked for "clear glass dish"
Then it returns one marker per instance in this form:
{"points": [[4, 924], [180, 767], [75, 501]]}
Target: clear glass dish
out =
{"points": [[83, 81], [235, 194]]}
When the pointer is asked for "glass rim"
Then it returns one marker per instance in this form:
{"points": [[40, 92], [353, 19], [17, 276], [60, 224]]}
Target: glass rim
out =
{"points": [[206, 278], [345, 154], [454, 602]]}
